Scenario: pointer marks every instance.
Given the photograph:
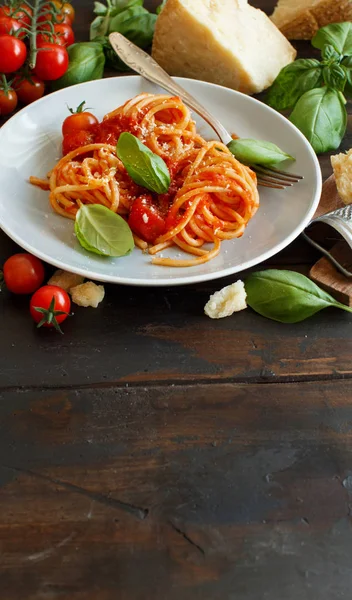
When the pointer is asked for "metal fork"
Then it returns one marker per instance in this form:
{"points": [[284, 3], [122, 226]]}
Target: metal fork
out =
{"points": [[145, 65]]}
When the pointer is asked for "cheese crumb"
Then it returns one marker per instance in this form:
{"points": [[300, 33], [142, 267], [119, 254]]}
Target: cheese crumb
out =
{"points": [[88, 294], [227, 301], [342, 165], [65, 280]]}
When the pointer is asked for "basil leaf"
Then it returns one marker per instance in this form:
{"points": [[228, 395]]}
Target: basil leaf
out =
{"points": [[81, 239], [112, 60], [100, 25], [143, 166], [118, 6], [100, 8], [102, 231], [160, 7], [329, 54], [293, 81], [321, 116], [257, 152], [347, 65], [136, 23], [335, 77], [338, 35], [87, 62], [286, 296]]}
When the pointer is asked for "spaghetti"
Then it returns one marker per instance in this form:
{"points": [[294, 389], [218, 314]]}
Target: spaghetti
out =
{"points": [[212, 196]]}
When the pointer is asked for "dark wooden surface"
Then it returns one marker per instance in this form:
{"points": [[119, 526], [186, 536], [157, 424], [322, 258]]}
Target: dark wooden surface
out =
{"points": [[151, 453]]}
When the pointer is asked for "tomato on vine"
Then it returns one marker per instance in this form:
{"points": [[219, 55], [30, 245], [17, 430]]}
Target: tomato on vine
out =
{"points": [[65, 8], [22, 13], [50, 306], [51, 63], [13, 53], [60, 19], [8, 98], [29, 89], [62, 35], [10, 26]]}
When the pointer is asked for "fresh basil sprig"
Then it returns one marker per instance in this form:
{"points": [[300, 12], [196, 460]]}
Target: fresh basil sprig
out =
{"points": [[321, 116], [102, 231], [87, 61], [143, 166], [286, 296], [315, 90], [293, 81], [136, 23], [128, 17], [257, 152], [338, 35]]}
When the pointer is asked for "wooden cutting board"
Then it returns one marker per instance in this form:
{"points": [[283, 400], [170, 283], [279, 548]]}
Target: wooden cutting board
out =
{"points": [[324, 273]]}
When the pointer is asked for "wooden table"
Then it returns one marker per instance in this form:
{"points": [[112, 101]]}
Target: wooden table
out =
{"points": [[151, 453]]}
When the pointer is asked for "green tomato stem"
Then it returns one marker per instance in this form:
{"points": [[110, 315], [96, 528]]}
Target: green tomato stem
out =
{"points": [[33, 34]]}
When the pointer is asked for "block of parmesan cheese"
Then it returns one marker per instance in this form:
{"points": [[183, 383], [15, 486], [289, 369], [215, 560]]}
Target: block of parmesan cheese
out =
{"points": [[227, 42], [301, 19]]}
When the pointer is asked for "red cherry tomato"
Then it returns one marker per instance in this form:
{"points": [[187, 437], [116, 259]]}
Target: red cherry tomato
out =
{"points": [[75, 140], [52, 62], [22, 13], [23, 273], [8, 102], [145, 219], [67, 9], [79, 120], [29, 90], [50, 306], [63, 35], [47, 15], [13, 54], [10, 26]]}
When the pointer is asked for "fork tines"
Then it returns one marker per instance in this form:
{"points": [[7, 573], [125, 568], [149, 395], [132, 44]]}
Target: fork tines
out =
{"points": [[270, 177]]}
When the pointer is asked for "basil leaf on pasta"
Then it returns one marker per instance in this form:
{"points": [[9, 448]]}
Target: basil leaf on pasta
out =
{"points": [[102, 231], [143, 166]]}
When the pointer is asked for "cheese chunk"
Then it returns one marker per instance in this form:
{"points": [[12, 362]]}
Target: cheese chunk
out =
{"points": [[227, 42], [88, 294], [227, 301], [301, 19], [342, 165], [65, 280]]}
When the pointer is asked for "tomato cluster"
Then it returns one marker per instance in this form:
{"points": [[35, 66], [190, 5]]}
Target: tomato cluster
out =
{"points": [[32, 50], [50, 305]]}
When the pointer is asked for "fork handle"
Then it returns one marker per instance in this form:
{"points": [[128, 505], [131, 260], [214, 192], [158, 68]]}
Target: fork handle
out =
{"points": [[145, 65]]}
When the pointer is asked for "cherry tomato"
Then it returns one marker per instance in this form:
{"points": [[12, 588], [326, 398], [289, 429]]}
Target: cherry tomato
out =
{"points": [[59, 19], [13, 53], [10, 26], [145, 219], [52, 62], [76, 139], [23, 273], [29, 90], [79, 121], [23, 13], [50, 306], [8, 101], [66, 8], [63, 35]]}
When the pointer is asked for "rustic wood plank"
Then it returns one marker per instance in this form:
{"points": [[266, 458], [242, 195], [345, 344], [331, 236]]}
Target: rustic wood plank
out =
{"points": [[222, 491]]}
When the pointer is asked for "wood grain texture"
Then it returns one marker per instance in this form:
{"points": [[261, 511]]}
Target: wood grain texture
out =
{"points": [[209, 492], [151, 453]]}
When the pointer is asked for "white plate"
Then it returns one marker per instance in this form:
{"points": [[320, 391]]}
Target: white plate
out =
{"points": [[30, 144]]}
